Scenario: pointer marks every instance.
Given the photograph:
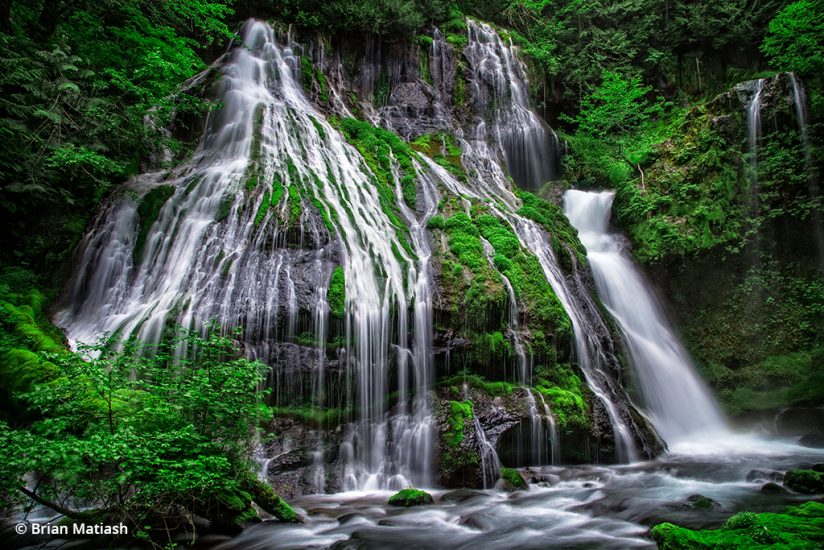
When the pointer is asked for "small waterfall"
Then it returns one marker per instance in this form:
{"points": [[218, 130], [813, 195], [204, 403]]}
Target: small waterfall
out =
{"points": [[678, 402], [539, 438], [754, 132], [490, 463], [529, 146]]}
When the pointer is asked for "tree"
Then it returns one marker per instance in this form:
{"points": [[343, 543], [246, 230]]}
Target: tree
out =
{"points": [[618, 105]]}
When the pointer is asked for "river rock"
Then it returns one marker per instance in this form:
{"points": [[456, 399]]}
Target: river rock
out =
{"points": [[700, 502], [772, 488], [805, 481], [761, 475]]}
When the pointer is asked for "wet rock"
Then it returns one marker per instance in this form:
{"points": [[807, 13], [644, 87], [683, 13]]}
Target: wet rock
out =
{"points": [[799, 421], [814, 440], [761, 475], [472, 522], [700, 502], [772, 488], [459, 495], [805, 481]]}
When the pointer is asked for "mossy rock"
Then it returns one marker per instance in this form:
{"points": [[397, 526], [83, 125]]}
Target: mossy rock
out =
{"points": [[700, 502], [797, 527], [805, 481], [410, 497], [513, 481]]}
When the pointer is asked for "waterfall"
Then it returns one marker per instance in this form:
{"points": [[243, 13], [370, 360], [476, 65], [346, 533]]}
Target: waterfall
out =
{"points": [[529, 146], [497, 78], [678, 403], [239, 241], [754, 132], [275, 200]]}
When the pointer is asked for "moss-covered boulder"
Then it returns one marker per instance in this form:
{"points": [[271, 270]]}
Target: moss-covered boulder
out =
{"points": [[805, 481], [512, 479], [797, 527], [410, 497]]}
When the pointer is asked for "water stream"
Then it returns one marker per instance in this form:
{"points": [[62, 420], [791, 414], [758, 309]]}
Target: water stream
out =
{"points": [[675, 398]]}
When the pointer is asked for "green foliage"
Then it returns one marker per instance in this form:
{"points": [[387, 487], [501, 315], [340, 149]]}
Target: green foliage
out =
{"points": [[383, 17], [139, 433], [618, 105], [337, 293], [773, 360], [797, 527], [410, 497], [77, 80], [794, 42]]}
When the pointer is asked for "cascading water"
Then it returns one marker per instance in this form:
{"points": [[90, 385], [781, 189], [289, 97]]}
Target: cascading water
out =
{"points": [[529, 146], [754, 132], [214, 253], [543, 430], [678, 403], [497, 78]]}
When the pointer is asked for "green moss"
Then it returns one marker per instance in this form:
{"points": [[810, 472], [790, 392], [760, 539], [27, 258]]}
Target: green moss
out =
{"points": [[265, 497], [337, 292], [295, 209], [563, 390], [512, 478], [277, 192], [318, 126], [252, 174], [435, 222], [499, 388], [805, 481], [378, 147], [410, 497], [25, 332], [459, 413], [797, 527], [444, 150], [225, 207], [552, 219], [262, 209], [542, 308], [148, 209]]}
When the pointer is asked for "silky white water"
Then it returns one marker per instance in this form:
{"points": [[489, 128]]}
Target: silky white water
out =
{"points": [[677, 401]]}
